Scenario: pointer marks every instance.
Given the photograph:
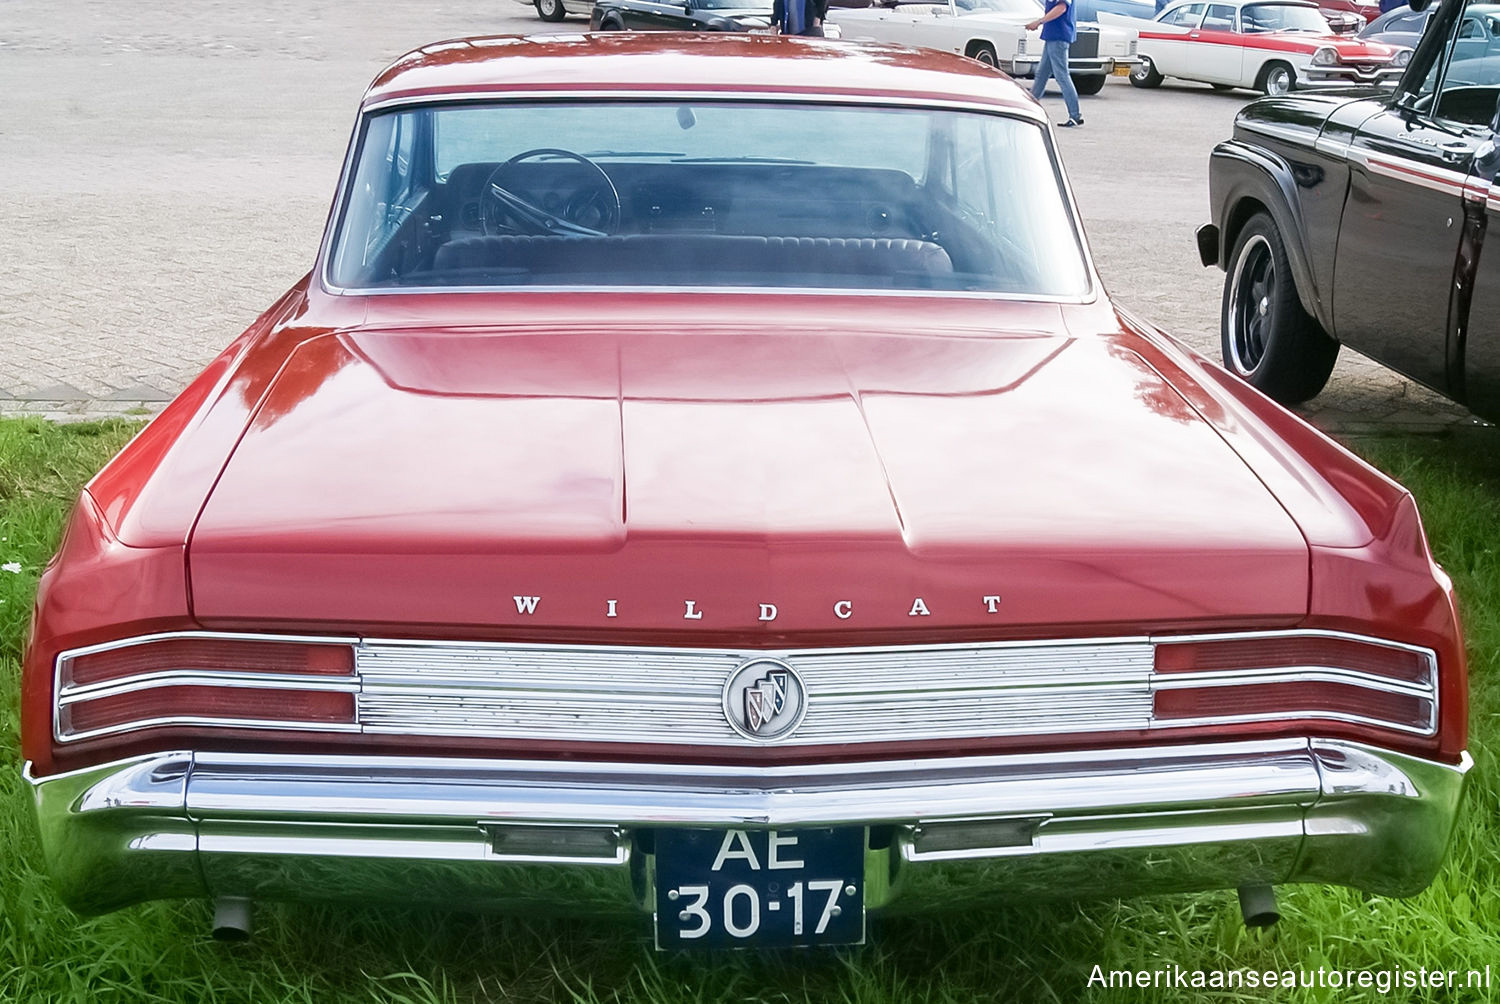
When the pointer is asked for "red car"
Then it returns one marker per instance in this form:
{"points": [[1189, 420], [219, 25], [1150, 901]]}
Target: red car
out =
{"points": [[706, 480], [1360, 12], [1273, 46]]}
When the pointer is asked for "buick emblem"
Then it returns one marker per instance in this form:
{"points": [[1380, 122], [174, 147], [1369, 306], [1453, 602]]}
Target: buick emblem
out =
{"points": [[764, 700]]}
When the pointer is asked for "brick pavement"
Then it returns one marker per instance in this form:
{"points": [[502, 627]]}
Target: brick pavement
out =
{"points": [[169, 167]]}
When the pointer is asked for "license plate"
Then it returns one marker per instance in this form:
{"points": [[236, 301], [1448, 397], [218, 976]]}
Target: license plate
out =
{"points": [[1121, 71], [760, 888]]}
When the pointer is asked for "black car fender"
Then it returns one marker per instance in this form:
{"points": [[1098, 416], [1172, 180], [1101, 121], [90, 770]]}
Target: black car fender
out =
{"points": [[1244, 180]]}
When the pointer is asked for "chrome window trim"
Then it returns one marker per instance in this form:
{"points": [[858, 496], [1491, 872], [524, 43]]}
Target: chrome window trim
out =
{"points": [[1123, 681], [484, 95], [840, 291], [324, 261]]}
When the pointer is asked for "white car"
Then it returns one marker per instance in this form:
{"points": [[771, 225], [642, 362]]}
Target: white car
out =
{"points": [[1273, 46], [991, 31], [556, 10]]}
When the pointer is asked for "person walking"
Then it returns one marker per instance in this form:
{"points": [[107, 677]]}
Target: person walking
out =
{"points": [[1059, 29], [798, 17]]}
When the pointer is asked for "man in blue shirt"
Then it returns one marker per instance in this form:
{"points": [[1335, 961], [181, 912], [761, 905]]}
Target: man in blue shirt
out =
{"points": [[798, 17], [1058, 32]]}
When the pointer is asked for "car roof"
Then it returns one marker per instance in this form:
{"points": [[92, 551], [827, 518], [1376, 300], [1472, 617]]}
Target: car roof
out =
{"points": [[1241, 3], [682, 62]]}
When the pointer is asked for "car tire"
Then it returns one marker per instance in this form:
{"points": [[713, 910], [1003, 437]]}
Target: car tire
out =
{"points": [[1267, 339], [1088, 83], [611, 24], [1276, 79], [984, 52], [1145, 75], [550, 10]]}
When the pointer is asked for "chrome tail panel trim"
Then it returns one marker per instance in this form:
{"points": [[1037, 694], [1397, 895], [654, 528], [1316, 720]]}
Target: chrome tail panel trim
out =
{"points": [[652, 695], [676, 695]]}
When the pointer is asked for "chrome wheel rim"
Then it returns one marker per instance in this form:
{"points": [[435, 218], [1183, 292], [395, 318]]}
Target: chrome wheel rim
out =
{"points": [[548, 7], [1142, 70], [1252, 304], [986, 57], [1279, 81]]}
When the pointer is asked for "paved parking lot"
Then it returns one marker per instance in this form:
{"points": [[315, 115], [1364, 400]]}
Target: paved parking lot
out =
{"points": [[168, 170]]}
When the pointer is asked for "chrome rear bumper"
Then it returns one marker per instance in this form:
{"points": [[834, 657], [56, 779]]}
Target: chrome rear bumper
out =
{"points": [[578, 836]]}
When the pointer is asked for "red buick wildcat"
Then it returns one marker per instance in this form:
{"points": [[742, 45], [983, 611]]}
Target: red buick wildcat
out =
{"points": [[704, 478]]}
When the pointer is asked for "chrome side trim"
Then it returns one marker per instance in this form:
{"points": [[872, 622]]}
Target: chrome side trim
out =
{"points": [[1333, 148], [1286, 135], [1435, 179]]}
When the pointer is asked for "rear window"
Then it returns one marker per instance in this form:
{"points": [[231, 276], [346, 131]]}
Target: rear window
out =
{"points": [[705, 194]]}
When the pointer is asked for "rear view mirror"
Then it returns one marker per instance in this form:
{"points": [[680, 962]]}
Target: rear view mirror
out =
{"points": [[1419, 5]]}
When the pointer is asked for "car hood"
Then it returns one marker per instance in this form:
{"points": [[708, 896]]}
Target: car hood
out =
{"points": [[746, 17], [601, 481], [1349, 49]]}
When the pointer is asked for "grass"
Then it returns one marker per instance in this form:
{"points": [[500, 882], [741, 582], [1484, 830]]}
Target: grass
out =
{"points": [[1040, 952]]}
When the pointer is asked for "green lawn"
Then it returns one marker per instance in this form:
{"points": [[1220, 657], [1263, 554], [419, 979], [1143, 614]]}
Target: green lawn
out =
{"points": [[1038, 952]]}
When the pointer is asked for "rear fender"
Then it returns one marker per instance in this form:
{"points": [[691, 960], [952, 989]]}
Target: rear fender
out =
{"points": [[1244, 180]]}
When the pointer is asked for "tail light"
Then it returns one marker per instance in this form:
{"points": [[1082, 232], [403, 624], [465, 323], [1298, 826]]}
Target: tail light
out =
{"points": [[217, 680], [1284, 677]]}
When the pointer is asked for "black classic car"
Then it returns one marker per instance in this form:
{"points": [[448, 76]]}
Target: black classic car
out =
{"points": [[1364, 219], [680, 15]]}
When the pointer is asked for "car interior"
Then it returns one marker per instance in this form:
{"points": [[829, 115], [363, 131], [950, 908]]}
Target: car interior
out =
{"points": [[572, 221], [939, 201], [712, 223]]}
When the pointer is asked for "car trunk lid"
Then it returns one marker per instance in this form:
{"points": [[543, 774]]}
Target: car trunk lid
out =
{"points": [[732, 484]]}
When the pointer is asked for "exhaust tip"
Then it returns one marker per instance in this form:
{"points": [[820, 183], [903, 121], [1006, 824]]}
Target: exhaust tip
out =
{"points": [[1258, 906], [231, 919]]}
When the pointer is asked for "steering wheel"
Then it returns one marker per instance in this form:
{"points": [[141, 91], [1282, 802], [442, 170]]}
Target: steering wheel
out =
{"points": [[591, 211]]}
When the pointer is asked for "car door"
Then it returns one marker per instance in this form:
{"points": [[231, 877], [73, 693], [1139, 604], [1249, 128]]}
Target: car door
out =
{"points": [[928, 25], [1216, 49], [1169, 46], [872, 22], [1474, 347], [1477, 342], [1404, 221], [655, 15]]}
